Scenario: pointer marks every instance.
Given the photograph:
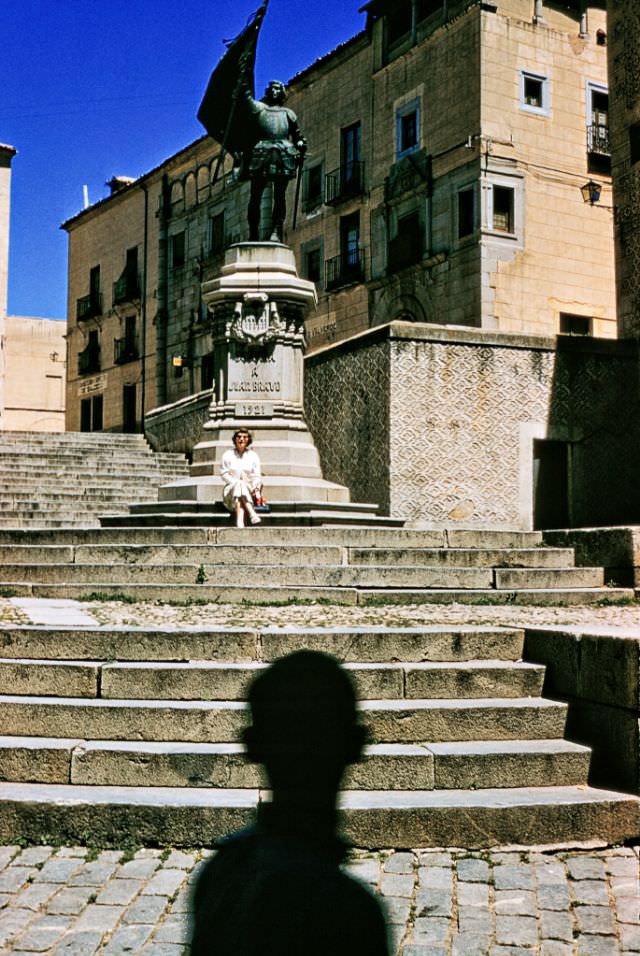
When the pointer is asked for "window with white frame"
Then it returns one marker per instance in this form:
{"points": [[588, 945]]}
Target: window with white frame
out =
{"points": [[502, 209], [534, 92], [598, 140], [408, 128]]}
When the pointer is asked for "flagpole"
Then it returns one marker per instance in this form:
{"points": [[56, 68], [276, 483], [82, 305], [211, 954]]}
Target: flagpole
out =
{"points": [[258, 18]]}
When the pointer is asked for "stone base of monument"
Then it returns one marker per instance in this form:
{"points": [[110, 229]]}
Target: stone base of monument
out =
{"points": [[200, 514], [258, 305]]}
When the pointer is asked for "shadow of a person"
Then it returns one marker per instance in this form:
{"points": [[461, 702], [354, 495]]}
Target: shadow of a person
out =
{"points": [[278, 887]]}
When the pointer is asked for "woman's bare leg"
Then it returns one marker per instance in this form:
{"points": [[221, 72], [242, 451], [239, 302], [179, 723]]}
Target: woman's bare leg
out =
{"points": [[239, 512], [248, 507]]}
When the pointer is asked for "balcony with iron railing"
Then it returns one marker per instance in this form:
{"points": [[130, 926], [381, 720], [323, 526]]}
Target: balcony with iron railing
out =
{"points": [[89, 306], [344, 183], [125, 350], [126, 288], [598, 148], [344, 269], [89, 360], [598, 139]]}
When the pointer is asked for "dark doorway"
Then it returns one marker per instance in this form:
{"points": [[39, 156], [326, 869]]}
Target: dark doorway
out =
{"points": [[91, 414], [129, 422], [550, 484]]}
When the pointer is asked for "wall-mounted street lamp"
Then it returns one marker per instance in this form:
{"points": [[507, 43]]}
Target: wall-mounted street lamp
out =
{"points": [[591, 192]]}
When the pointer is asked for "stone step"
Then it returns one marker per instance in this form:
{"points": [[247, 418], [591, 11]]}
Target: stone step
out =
{"points": [[388, 721], [220, 518], [444, 766], [197, 816], [18, 434], [66, 498], [362, 537], [20, 522], [365, 597], [271, 575], [265, 575], [212, 680], [214, 506], [513, 578], [193, 555], [464, 557], [217, 554], [31, 473], [85, 457], [349, 645], [49, 537]]}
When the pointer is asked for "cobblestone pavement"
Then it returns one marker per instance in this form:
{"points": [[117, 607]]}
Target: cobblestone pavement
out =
{"points": [[70, 901], [618, 617]]}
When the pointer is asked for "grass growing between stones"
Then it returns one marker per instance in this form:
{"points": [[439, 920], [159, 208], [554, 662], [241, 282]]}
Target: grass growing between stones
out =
{"points": [[104, 597]]}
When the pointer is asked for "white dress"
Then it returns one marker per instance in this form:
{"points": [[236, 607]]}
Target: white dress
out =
{"points": [[241, 475]]}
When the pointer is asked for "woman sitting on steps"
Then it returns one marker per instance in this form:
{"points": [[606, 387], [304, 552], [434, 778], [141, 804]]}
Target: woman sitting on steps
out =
{"points": [[240, 471]]}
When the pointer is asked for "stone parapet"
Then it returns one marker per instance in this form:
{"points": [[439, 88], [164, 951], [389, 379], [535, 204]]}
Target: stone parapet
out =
{"points": [[597, 673]]}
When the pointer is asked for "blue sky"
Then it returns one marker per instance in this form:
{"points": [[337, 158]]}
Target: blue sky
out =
{"points": [[96, 88]]}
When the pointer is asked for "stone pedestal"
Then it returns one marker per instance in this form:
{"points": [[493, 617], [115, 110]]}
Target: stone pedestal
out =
{"points": [[258, 306]]}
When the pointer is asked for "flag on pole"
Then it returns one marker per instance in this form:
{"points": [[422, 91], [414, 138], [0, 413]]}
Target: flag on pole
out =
{"points": [[235, 71]]}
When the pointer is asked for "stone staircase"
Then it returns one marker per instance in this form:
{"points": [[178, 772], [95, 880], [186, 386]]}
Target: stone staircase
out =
{"points": [[128, 734], [55, 480], [349, 565]]}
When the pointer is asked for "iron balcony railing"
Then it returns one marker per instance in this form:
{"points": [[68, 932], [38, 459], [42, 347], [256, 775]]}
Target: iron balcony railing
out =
{"points": [[89, 360], [89, 305], [344, 182], [125, 350], [126, 288], [598, 139], [344, 269]]}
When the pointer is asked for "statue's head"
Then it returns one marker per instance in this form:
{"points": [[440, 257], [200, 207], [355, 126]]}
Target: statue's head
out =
{"points": [[275, 93]]}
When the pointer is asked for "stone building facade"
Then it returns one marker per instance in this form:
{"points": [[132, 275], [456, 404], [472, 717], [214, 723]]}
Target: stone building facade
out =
{"points": [[448, 144], [35, 351], [6, 155], [624, 66]]}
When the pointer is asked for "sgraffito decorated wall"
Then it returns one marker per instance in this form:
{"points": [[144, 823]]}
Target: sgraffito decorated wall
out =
{"points": [[455, 426], [347, 410]]}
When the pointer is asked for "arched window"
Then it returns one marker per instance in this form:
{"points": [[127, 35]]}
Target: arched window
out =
{"points": [[190, 190], [177, 197]]}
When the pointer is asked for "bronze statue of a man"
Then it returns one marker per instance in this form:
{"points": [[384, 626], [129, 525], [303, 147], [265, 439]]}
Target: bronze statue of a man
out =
{"points": [[275, 157]]}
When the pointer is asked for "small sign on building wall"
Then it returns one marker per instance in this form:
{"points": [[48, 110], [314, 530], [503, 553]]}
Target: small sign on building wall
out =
{"points": [[90, 386]]}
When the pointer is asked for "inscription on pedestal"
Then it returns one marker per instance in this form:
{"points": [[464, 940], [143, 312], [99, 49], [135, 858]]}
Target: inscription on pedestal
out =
{"points": [[253, 410]]}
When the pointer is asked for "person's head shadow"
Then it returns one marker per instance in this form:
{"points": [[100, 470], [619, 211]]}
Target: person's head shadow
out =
{"points": [[304, 727], [279, 886]]}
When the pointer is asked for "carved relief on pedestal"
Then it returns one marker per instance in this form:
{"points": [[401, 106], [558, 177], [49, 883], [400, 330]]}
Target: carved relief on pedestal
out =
{"points": [[255, 321]]}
